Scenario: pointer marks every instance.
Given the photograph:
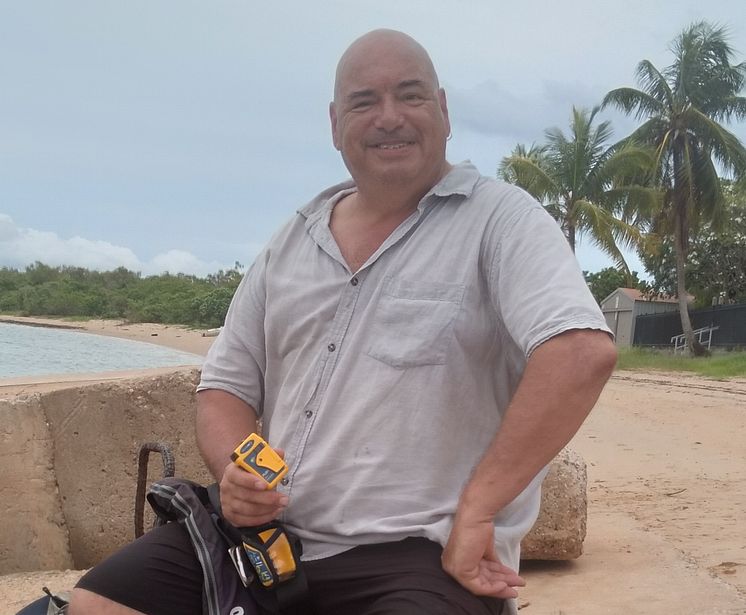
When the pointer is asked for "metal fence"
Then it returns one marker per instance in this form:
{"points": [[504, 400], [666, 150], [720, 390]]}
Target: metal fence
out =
{"points": [[658, 329]]}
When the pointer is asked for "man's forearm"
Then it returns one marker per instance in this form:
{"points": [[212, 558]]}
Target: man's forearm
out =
{"points": [[560, 385], [223, 421]]}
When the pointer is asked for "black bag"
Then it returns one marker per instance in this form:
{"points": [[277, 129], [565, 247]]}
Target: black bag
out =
{"points": [[187, 503], [197, 510]]}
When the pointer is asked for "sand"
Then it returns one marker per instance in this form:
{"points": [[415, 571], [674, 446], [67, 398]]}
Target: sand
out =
{"points": [[666, 461], [666, 458]]}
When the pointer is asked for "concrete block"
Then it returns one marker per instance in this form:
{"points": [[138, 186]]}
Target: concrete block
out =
{"points": [[559, 532]]}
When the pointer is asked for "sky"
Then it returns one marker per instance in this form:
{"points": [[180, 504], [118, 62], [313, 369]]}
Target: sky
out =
{"points": [[179, 135]]}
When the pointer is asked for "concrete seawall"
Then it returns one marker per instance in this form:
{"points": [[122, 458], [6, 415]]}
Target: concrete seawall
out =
{"points": [[69, 460], [69, 465]]}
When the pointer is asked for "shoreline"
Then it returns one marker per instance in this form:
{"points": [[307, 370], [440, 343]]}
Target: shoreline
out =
{"points": [[37, 322], [176, 337]]}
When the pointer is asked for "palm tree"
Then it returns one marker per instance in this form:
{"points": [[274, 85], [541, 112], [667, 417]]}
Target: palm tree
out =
{"points": [[587, 186], [682, 106]]}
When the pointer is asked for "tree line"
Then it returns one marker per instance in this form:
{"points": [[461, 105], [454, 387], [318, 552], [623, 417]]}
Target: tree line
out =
{"points": [[41, 290], [658, 191]]}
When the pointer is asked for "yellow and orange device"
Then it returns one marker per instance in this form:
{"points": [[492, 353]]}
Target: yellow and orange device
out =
{"points": [[256, 456], [271, 554]]}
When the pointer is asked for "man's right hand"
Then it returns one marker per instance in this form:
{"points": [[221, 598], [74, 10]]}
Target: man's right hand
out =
{"points": [[245, 499]]}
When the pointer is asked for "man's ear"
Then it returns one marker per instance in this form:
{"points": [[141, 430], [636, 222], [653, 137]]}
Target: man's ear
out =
{"points": [[444, 109], [333, 120]]}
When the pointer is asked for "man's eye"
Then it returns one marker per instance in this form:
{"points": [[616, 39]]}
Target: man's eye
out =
{"points": [[413, 98], [361, 105]]}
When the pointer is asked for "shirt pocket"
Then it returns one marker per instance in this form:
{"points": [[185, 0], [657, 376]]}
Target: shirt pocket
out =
{"points": [[414, 322]]}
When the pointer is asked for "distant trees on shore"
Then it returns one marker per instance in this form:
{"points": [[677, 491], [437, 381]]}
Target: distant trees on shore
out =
{"points": [[41, 290]]}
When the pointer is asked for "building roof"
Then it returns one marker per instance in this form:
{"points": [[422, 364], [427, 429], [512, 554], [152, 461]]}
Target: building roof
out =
{"points": [[637, 295]]}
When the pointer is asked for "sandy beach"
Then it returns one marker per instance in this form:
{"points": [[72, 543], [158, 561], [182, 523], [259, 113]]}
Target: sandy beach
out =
{"points": [[666, 457]]}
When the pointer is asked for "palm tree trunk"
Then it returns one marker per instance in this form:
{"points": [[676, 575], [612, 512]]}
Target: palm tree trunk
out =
{"points": [[697, 349]]}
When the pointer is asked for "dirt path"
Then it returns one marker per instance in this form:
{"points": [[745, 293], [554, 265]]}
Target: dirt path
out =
{"points": [[666, 461]]}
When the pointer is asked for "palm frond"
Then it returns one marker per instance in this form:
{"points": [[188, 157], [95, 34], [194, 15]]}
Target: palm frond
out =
{"points": [[635, 102], [708, 192], [606, 231], [626, 163], [654, 83], [701, 72], [729, 108], [530, 174], [533, 152], [637, 205]]}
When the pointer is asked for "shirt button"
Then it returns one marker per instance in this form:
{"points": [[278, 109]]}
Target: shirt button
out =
{"points": [[309, 414], [354, 281], [331, 347], [285, 481]]}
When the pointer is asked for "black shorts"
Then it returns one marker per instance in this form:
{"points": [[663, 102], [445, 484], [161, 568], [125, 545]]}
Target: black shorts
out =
{"points": [[159, 574]]}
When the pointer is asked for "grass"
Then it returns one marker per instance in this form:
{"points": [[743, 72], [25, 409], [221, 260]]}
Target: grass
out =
{"points": [[720, 365]]}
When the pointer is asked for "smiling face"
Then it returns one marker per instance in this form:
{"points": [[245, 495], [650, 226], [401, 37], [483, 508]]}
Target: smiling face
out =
{"points": [[389, 118]]}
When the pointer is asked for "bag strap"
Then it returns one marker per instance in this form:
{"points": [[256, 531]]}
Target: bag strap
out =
{"points": [[197, 509], [188, 503], [284, 592]]}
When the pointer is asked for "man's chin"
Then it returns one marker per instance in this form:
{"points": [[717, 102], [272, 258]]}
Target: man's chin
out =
{"points": [[403, 170], [396, 177]]}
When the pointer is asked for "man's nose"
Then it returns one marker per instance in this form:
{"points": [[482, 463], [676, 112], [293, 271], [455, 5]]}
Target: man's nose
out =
{"points": [[389, 116]]}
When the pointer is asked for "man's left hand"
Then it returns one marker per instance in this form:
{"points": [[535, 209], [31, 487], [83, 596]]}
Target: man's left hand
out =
{"points": [[470, 558]]}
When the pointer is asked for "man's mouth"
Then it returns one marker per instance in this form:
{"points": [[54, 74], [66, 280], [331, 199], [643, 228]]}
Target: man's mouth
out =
{"points": [[391, 146]]}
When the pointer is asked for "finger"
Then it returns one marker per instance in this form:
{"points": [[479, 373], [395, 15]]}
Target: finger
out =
{"points": [[506, 593], [252, 520], [246, 505], [497, 588], [238, 497], [503, 573], [249, 507], [238, 476], [489, 587], [497, 567], [252, 513]]}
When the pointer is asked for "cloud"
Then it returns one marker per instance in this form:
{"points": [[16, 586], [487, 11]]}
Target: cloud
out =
{"points": [[8, 230], [19, 247], [180, 261], [486, 108], [491, 109]]}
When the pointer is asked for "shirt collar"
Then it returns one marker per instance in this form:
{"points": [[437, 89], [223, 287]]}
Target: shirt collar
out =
{"points": [[460, 180], [321, 202]]}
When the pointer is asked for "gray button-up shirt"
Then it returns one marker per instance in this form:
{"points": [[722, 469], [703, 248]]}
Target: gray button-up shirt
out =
{"points": [[386, 385]]}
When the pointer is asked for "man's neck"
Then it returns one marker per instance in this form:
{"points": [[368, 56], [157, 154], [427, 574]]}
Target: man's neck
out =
{"points": [[360, 228], [393, 200]]}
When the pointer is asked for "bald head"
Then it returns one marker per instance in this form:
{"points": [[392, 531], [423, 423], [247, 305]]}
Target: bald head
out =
{"points": [[389, 117], [377, 46]]}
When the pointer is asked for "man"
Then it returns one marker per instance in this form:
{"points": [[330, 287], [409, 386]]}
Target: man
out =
{"points": [[420, 343]]}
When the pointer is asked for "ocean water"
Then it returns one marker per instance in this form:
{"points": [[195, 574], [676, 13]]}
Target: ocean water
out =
{"points": [[36, 351]]}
